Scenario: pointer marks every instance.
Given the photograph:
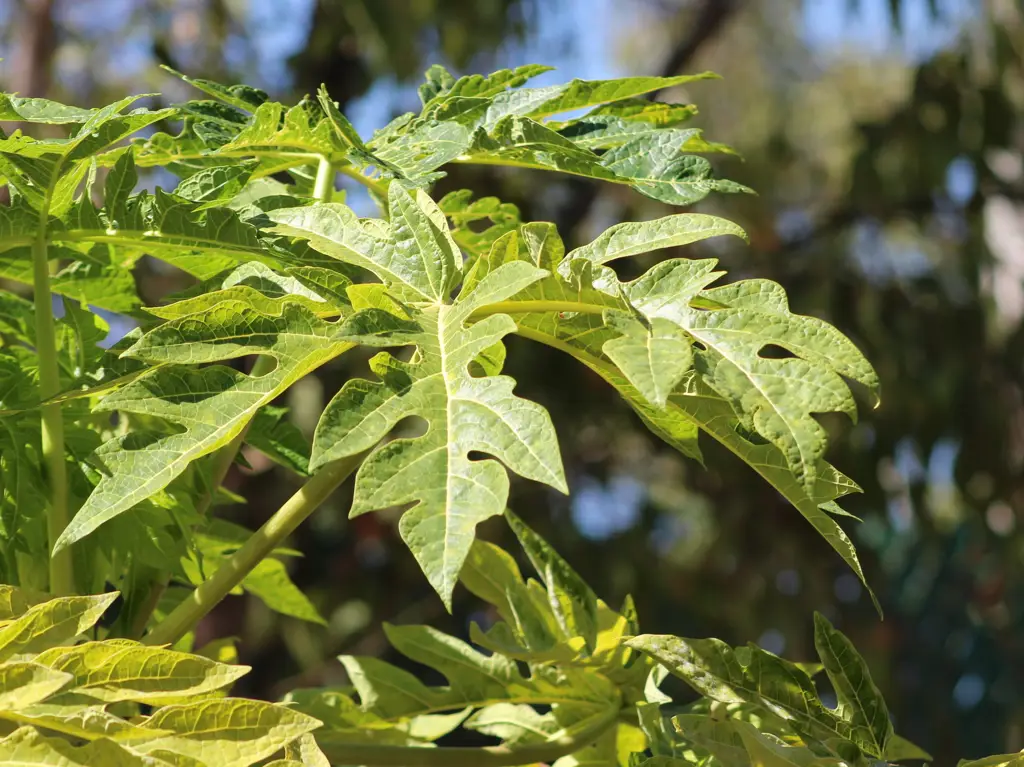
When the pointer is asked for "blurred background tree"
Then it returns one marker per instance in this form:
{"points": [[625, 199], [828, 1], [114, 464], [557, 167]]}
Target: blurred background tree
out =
{"points": [[885, 139]]}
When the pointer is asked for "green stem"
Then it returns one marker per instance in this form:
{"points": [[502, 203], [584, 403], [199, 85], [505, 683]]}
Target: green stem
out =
{"points": [[62, 578], [487, 756], [324, 184], [186, 615], [379, 188], [528, 307]]}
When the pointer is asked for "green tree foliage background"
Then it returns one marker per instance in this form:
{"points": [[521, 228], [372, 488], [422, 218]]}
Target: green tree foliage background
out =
{"points": [[885, 140]]}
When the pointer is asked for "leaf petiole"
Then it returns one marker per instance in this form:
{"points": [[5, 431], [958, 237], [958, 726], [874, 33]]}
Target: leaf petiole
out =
{"points": [[296, 509]]}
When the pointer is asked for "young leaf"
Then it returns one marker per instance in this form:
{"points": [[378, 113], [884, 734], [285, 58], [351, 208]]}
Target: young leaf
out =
{"points": [[240, 96], [474, 680], [464, 212], [860, 701], [572, 601], [751, 675]]}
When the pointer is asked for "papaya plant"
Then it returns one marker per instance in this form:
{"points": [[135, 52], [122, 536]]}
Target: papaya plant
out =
{"points": [[113, 459]]}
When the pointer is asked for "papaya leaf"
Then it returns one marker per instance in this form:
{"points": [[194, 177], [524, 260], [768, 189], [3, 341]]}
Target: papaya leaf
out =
{"points": [[27, 746], [751, 675], [25, 683], [233, 731], [138, 465], [50, 623], [566, 311], [572, 601], [120, 670], [860, 700], [418, 263], [19, 109]]}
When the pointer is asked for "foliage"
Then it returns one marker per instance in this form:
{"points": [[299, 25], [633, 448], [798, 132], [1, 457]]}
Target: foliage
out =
{"points": [[122, 483], [119, 702]]}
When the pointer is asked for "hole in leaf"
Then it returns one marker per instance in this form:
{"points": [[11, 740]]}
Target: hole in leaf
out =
{"points": [[775, 352], [477, 455], [826, 692], [410, 427], [699, 346], [265, 361]]}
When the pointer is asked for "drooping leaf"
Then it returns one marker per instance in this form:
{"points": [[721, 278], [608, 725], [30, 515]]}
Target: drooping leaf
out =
{"points": [[581, 285]]}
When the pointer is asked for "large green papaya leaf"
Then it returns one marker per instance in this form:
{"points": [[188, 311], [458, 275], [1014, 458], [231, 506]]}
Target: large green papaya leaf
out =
{"points": [[419, 264], [775, 398], [568, 311]]}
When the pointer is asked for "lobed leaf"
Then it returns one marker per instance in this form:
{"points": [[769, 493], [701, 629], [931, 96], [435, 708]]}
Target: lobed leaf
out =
{"points": [[418, 262]]}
